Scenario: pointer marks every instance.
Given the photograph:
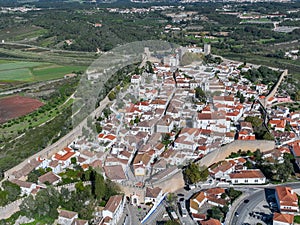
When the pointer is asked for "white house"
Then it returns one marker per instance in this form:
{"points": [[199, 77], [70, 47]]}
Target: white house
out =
{"points": [[153, 194], [26, 187], [222, 171], [287, 199], [113, 210], [247, 177], [66, 217], [165, 124]]}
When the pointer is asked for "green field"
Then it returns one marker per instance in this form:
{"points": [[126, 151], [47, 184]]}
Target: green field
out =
{"points": [[34, 71]]}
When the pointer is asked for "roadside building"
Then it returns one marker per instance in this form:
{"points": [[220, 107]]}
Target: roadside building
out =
{"points": [[283, 219], [210, 222], [287, 199], [113, 210], [247, 177]]}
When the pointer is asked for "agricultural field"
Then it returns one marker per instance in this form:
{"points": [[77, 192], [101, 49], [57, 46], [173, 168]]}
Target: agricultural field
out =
{"points": [[20, 113], [15, 106], [34, 71]]}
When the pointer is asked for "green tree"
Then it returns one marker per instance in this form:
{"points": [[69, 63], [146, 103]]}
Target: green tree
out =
{"points": [[98, 185], [242, 98], [32, 177], [166, 139], [200, 94], [233, 194], [3, 198], [112, 95], [73, 160], [12, 189], [268, 136], [193, 173], [79, 186], [44, 204], [215, 212]]}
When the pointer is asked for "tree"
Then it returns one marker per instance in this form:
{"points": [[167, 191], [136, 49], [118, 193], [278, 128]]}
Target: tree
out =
{"points": [[215, 212], [242, 98], [254, 120], [12, 189], [166, 139], [98, 128], [233, 194], [32, 177], [193, 173], [45, 204], [112, 95], [149, 67], [268, 136], [73, 160], [98, 185], [3, 198], [200, 94], [79, 186]]}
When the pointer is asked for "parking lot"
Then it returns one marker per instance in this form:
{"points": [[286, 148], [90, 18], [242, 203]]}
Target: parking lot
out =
{"points": [[263, 212]]}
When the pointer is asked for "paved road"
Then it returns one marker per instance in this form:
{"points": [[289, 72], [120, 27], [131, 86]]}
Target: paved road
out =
{"points": [[255, 197], [243, 209], [156, 215], [131, 219]]}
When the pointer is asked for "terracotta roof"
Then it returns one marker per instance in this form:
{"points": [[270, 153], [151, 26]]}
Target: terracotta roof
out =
{"points": [[22, 183], [199, 216], [25, 170], [223, 98], [50, 177], [284, 218], [142, 157], [67, 214], [223, 167], [152, 192], [158, 102], [64, 157], [194, 205], [113, 203], [219, 201], [200, 197], [114, 172], [286, 196], [247, 174], [296, 148], [210, 222], [110, 137], [215, 191]]}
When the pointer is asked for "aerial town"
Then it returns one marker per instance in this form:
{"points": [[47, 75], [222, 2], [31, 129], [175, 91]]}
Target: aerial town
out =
{"points": [[173, 117], [149, 112]]}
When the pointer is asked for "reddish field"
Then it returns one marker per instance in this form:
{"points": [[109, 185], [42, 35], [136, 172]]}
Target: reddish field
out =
{"points": [[15, 106]]}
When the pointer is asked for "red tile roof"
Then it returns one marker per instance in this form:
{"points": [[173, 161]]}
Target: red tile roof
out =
{"points": [[64, 157], [113, 203], [284, 218], [286, 196], [247, 174], [210, 222]]}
